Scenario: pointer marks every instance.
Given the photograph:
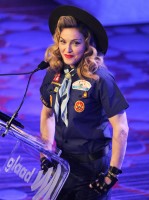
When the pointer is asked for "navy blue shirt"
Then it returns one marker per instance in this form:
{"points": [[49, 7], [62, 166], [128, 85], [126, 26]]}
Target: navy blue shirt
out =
{"points": [[88, 110]]}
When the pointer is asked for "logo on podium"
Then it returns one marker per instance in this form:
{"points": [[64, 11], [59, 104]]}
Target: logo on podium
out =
{"points": [[24, 168]]}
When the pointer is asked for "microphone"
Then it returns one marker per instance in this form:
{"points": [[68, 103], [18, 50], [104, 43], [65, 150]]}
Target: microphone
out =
{"points": [[41, 66]]}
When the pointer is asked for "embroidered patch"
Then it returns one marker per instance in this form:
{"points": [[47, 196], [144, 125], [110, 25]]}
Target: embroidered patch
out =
{"points": [[79, 106], [55, 83], [56, 89], [56, 78], [51, 100], [81, 85]]}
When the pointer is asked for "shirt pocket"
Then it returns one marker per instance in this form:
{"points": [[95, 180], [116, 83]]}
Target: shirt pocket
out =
{"points": [[77, 95], [81, 101]]}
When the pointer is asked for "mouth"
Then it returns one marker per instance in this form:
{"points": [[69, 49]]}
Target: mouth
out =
{"points": [[68, 56]]}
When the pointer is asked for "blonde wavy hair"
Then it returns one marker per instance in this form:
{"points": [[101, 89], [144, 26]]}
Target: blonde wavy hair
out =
{"points": [[89, 63]]}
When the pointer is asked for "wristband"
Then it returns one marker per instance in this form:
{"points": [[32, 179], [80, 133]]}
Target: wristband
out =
{"points": [[115, 170]]}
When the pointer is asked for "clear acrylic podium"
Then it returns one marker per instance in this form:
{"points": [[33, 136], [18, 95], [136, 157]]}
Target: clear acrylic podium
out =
{"points": [[21, 168]]}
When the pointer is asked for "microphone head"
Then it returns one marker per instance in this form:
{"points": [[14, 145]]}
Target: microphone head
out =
{"points": [[43, 65]]}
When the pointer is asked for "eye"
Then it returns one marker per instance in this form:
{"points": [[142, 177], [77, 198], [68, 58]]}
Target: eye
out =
{"points": [[76, 43], [62, 41]]}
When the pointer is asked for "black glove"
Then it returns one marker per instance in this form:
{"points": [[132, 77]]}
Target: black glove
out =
{"points": [[100, 186], [46, 164]]}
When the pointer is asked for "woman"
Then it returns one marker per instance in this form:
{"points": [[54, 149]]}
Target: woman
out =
{"points": [[80, 98]]}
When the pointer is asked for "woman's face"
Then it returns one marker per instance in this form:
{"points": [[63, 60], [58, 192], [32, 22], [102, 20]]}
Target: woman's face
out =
{"points": [[71, 45]]}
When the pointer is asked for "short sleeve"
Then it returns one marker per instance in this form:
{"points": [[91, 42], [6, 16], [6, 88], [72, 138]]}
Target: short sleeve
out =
{"points": [[44, 94], [111, 98]]}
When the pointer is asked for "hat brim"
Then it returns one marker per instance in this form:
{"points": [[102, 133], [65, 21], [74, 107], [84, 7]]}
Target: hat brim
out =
{"points": [[90, 21]]}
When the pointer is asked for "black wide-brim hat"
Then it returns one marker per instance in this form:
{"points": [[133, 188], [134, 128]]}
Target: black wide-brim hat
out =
{"points": [[89, 20]]}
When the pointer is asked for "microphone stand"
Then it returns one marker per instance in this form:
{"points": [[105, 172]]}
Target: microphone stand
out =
{"points": [[41, 66]]}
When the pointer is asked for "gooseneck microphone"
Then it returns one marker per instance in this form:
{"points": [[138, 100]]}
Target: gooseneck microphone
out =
{"points": [[41, 66]]}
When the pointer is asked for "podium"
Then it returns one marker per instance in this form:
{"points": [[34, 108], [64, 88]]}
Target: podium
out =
{"points": [[21, 168]]}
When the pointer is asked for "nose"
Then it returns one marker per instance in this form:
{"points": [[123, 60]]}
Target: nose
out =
{"points": [[68, 48]]}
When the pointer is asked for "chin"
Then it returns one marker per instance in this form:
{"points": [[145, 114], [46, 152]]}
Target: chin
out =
{"points": [[69, 63]]}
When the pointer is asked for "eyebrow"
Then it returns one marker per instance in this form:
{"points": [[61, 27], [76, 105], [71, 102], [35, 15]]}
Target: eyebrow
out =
{"points": [[73, 39]]}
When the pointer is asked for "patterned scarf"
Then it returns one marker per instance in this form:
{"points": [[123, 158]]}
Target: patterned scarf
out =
{"points": [[62, 96]]}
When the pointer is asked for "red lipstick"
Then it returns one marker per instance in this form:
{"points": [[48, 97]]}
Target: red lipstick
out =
{"points": [[68, 56]]}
